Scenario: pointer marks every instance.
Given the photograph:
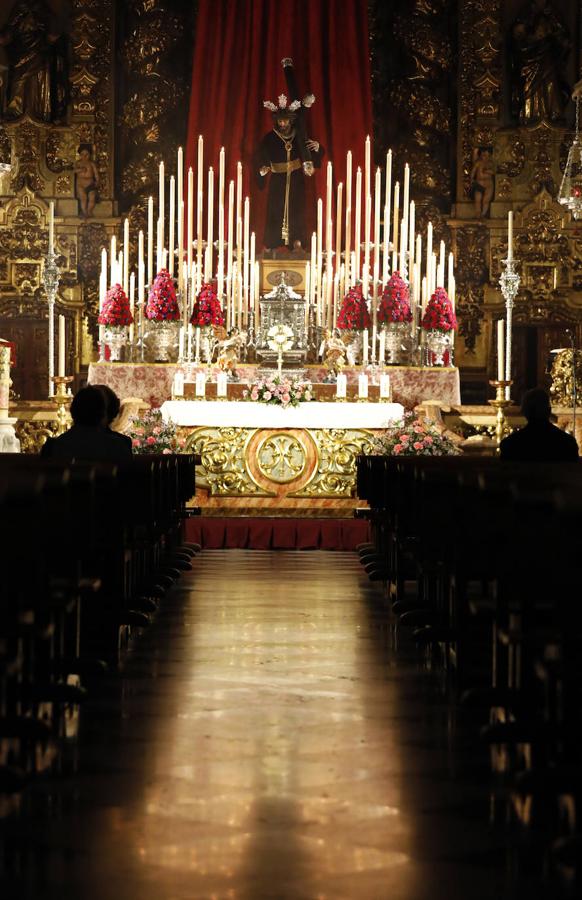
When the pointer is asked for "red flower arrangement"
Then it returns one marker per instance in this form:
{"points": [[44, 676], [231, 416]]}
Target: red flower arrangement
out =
{"points": [[395, 303], [439, 314], [115, 309], [162, 305], [207, 309], [354, 315]]}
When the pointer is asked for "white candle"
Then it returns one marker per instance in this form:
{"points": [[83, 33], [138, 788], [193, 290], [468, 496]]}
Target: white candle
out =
{"points": [[348, 212], [131, 303], [367, 164], [62, 347], [428, 252], [395, 218], [341, 386], [51, 227], [382, 347], [510, 235], [500, 350], [113, 260], [363, 386], [171, 225], [181, 342], [150, 240], [126, 255], [221, 384], [384, 386], [179, 384], [200, 383], [190, 225], [365, 340], [197, 342], [190, 331], [208, 272], [162, 205], [451, 277], [358, 225], [246, 251]]}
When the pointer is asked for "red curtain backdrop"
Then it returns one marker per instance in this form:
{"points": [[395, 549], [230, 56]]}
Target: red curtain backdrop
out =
{"points": [[238, 50]]}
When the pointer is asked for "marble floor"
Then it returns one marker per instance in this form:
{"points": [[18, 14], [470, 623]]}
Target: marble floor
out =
{"points": [[266, 739]]}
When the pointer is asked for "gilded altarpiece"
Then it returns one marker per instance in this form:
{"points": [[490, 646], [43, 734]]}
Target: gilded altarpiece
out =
{"points": [[42, 155], [527, 136]]}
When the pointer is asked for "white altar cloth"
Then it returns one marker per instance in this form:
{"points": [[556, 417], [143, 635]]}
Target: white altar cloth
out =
{"points": [[246, 414]]}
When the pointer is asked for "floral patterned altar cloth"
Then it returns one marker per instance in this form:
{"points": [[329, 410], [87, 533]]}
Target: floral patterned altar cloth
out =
{"points": [[152, 382]]}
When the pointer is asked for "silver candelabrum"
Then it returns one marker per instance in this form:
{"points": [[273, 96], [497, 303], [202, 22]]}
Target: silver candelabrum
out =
{"points": [[509, 281], [50, 281]]}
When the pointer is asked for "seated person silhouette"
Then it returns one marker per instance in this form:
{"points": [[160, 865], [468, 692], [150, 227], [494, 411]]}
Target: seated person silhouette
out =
{"points": [[112, 407], [88, 438], [539, 440]]}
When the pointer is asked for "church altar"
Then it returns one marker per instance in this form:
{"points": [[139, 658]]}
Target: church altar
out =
{"points": [[258, 457], [152, 382]]}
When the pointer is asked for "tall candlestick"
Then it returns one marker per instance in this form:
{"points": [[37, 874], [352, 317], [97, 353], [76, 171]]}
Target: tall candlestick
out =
{"points": [[246, 248], [113, 260], [510, 235], [358, 224], [239, 211], [131, 304], [190, 225], [162, 207], [150, 240], [338, 226], [428, 252], [51, 227], [405, 202], [171, 225], [62, 347], [500, 350], [210, 227], [411, 229], [367, 166], [319, 255], [396, 214], [348, 229], [126, 256], [230, 238], [450, 275]]}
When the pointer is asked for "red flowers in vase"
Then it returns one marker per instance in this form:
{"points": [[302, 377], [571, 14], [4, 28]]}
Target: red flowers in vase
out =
{"points": [[354, 315], [439, 314], [162, 305], [395, 303], [115, 309], [207, 309]]}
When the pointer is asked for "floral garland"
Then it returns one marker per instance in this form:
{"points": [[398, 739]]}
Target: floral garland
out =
{"points": [[207, 309], [395, 303], [439, 314], [150, 434], [279, 391], [414, 437], [115, 310], [162, 305], [354, 315]]}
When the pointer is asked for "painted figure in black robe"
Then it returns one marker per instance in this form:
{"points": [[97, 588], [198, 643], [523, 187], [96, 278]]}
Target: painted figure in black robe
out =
{"points": [[278, 161]]}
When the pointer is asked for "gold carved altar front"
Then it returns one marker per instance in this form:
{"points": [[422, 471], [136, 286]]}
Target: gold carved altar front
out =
{"points": [[262, 469]]}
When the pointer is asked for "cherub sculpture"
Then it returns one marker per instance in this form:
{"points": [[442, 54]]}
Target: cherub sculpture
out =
{"points": [[230, 350], [333, 352]]}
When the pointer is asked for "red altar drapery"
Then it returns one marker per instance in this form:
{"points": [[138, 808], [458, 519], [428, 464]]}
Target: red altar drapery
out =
{"points": [[238, 49]]}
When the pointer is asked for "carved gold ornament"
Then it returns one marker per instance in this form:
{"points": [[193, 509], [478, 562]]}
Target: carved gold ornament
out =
{"points": [[281, 458]]}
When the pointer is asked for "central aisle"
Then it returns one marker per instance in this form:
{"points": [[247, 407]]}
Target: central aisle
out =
{"points": [[264, 741]]}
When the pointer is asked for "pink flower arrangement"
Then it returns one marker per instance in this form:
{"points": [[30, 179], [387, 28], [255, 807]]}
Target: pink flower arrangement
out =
{"points": [[150, 434], [395, 303], [279, 391], [354, 315], [115, 309], [439, 314], [162, 305], [413, 437]]}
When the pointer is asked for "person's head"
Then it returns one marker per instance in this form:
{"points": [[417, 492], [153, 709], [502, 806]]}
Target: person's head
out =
{"points": [[485, 152], [84, 151], [283, 123], [535, 405], [112, 402], [88, 407]]}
